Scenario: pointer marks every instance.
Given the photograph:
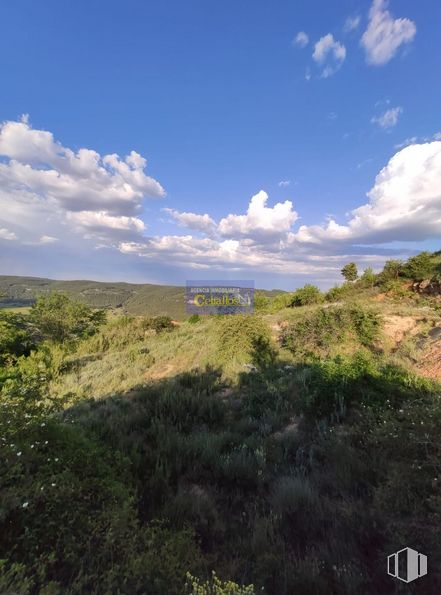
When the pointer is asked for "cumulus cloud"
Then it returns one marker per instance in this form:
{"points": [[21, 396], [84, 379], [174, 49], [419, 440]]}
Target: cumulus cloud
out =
{"points": [[301, 39], [77, 190], [404, 204], [389, 119], [414, 140], [77, 181], [259, 220], [193, 221], [100, 221], [384, 34], [5, 234], [284, 183], [352, 23], [329, 54], [47, 239]]}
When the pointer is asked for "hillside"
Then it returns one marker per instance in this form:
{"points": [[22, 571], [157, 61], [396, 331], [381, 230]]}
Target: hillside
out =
{"points": [[170, 451], [128, 298]]}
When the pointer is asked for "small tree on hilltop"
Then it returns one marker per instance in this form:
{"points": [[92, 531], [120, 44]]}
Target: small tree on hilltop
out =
{"points": [[420, 267], [350, 272], [369, 277], [392, 269]]}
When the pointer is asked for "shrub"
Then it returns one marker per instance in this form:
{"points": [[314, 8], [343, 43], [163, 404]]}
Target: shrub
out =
{"points": [[307, 295], [244, 338], [60, 319], [420, 267], [24, 396], [392, 270], [161, 323], [340, 292], [396, 289], [368, 278], [15, 337], [319, 331], [194, 318], [261, 302], [281, 301], [216, 586]]}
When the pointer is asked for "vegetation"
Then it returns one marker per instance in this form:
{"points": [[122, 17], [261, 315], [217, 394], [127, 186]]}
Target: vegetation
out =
{"points": [[290, 451], [307, 295], [350, 271], [329, 328]]}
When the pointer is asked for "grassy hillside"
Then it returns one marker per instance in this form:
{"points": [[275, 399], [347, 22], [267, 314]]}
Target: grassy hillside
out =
{"points": [[290, 451], [129, 298]]}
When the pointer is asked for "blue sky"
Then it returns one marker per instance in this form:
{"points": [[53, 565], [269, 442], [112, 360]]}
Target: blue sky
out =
{"points": [[224, 104]]}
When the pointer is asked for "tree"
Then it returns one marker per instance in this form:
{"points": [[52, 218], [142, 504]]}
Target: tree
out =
{"points": [[15, 337], [420, 267], [350, 271], [392, 269], [60, 319], [369, 277]]}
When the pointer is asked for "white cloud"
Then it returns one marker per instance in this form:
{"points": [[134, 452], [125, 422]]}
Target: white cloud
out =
{"points": [[101, 221], [48, 239], [260, 220], [329, 54], [193, 221], [389, 119], [76, 181], [284, 183], [404, 204], [45, 187], [5, 234], [384, 34], [301, 39], [352, 23], [415, 140]]}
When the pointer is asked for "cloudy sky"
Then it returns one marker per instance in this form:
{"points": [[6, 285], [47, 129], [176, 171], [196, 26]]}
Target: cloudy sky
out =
{"points": [[165, 141]]}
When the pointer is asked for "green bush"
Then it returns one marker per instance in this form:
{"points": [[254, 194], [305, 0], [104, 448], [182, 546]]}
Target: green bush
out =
{"points": [[194, 319], [24, 396], [15, 337], [216, 586], [420, 267], [319, 331], [60, 319], [244, 338], [340, 292], [161, 323], [307, 295]]}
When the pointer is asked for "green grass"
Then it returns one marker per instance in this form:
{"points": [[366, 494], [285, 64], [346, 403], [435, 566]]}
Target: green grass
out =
{"points": [[164, 456]]}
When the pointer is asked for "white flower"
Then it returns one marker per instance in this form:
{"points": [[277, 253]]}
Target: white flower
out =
{"points": [[45, 441], [56, 460], [25, 504], [53, 485], [19, 454], [42, 425]]}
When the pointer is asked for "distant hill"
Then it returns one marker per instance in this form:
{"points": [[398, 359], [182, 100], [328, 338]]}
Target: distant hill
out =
{"points": [[130, 298]]}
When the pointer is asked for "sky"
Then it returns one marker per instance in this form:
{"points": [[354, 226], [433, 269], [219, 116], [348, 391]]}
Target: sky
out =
{"points": [[156, 142]]}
